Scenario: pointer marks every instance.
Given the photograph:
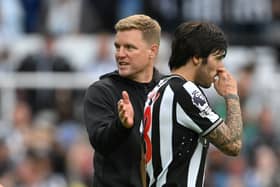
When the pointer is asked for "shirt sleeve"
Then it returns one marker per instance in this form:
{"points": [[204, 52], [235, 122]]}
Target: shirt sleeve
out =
{"points": [[193, 110], [101, 119]]}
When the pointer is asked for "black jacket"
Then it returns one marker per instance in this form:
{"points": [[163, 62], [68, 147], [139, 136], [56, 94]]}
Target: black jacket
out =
{"points": [[117, 149]]}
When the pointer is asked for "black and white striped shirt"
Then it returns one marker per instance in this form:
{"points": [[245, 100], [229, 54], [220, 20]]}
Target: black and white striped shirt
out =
{"points": [[177, 116]]}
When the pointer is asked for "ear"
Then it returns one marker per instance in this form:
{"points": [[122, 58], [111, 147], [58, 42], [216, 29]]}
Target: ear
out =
{"points": [[196, 60], [153, 50]]}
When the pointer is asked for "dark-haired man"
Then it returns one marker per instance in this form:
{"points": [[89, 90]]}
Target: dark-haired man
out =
{"points": [[178, 121]]}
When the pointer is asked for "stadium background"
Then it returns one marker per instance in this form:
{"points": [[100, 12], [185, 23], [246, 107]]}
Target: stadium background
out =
{"points": [[51, 50]]}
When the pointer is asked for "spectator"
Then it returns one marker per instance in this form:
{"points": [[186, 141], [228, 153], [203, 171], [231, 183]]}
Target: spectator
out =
{"points": [[11, 18], [34, 15], [45, 61], [59, 12], [103, 60]]}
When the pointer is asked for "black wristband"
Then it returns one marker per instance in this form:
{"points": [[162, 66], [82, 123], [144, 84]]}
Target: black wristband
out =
{"points": [[232, 96]]}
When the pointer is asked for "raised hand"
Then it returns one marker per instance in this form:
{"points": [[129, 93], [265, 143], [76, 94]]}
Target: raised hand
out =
{"points": [[225, 84], [126, 112]]}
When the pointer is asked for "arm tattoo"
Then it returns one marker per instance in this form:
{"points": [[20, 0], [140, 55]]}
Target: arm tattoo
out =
{"points": [[232, 96], [228, 137]]}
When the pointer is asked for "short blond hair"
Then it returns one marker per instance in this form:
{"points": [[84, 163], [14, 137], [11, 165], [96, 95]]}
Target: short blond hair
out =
{"points": [[150, 28]]}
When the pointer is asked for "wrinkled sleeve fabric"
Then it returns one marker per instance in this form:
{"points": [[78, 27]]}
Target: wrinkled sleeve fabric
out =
{"points": [[104, 128]]}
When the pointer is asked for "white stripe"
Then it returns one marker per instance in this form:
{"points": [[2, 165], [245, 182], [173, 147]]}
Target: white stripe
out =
{"points": [[150, 171], [194, 165], [212, 116], [184, 120], [149, 166], [191, 88], [165, 128], [206, 111]]}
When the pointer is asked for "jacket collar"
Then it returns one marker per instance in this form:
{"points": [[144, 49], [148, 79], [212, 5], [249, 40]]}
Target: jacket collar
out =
{"points": [[115, 75]]}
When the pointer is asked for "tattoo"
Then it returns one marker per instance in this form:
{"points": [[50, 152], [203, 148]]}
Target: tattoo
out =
{"points": [[232, 96], [228, 136]]}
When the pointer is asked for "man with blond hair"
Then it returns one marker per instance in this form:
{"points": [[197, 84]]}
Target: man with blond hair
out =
{"points": [[113, 132]]}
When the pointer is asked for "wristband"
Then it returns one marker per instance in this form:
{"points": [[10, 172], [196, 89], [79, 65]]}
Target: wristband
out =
{"points": [[232, 96]]}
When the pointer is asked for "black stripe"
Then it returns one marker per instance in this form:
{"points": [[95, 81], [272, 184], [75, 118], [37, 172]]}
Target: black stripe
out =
{"points": [[156, 157], [184, 140], [200, 176]]}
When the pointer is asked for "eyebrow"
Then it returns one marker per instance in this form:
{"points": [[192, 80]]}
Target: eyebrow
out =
{"points": [[220, 53]]}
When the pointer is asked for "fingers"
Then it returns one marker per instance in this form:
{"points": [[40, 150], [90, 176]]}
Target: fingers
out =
{"points": [[222, 73], [125, 110], [221, 69], [125, 100], [125, 97], [122, 111], [121, 108], [122, 102], [225, 82]]}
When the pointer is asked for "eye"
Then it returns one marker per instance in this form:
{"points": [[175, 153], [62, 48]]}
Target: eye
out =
{"points": [[220, 57], [129, 47], [117, 46]]}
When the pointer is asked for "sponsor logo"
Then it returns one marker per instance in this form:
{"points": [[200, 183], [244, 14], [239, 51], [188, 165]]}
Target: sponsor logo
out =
{"points": [[205, 112]]}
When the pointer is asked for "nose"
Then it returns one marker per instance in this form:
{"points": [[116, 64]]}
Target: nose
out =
{"points": [[221, 64], [120, 52]]}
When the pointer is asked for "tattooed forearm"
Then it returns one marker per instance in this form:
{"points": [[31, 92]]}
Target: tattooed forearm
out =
{"points": [[228, 137]]}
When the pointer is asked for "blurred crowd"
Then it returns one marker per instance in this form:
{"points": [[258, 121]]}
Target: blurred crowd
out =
{"points": [[259, 162], [90, 16], [45, 143]]}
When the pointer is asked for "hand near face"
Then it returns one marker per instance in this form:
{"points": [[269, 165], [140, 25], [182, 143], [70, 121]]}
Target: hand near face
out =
{"points": [[126, 112], [225, 84]]}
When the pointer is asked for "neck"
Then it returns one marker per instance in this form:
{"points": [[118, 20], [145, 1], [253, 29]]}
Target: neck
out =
{"points": [[186, 72], [143, 77]]}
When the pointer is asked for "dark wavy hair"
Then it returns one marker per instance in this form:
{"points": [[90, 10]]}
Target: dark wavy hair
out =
{"points": [[195, 39]]}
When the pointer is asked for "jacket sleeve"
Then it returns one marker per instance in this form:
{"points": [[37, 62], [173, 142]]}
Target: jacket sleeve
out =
{"points": [[104, 128]]}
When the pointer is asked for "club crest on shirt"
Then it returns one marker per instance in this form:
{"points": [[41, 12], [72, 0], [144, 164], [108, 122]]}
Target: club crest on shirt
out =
{"points": [[198, 100]]}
